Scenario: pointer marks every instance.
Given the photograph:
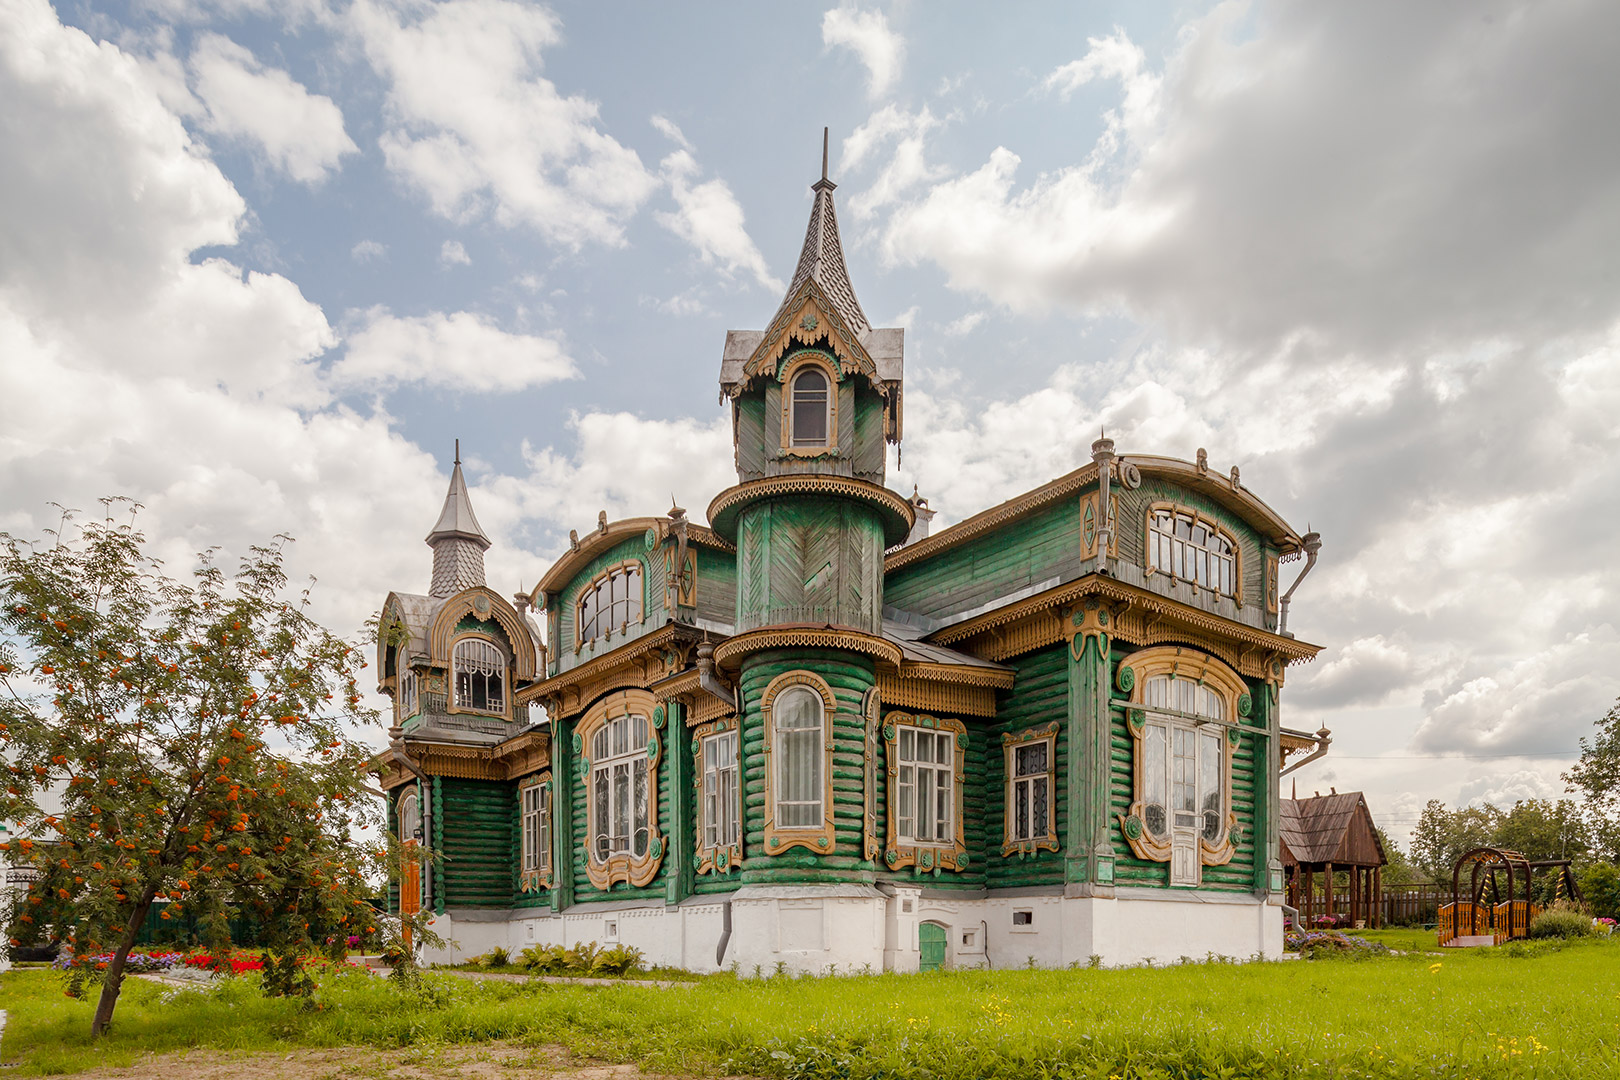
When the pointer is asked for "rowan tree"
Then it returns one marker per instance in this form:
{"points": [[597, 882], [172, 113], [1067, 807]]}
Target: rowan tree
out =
{"points": [[189, 742]]}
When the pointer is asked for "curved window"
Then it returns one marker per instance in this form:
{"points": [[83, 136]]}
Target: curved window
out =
{"points": [[811, 412], [610, 603], [619, 803], [410, 817], [480, 675], [797, 718], [405, 694], [1182, 765], [1185, 546]]}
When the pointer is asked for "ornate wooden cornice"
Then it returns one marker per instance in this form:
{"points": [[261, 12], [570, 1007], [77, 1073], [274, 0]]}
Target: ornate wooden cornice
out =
{"points": [[964, 674], [483, 603], [700, 534], [898, 513], [952, 699], [730, 652], [637, 663], [993, 518], [590, 546], [1140, 618]]}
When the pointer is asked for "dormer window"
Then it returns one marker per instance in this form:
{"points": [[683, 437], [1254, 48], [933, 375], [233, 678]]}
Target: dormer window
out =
{"points": [[611, 602], [480, 676], [1191, 548], [405, 694], [810, 414]]}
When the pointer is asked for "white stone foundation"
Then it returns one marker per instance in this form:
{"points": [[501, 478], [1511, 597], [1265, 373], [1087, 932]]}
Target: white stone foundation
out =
{"points": [[844, 929]]}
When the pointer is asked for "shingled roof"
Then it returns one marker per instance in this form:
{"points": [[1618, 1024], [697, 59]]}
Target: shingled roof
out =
{"points": [[822, 259], [1336, 828]]}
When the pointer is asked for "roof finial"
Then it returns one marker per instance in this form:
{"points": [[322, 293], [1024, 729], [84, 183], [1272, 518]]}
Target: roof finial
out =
{"points": [[458, 451], [824, 153]]}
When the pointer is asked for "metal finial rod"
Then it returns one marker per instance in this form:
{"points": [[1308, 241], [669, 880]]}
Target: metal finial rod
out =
{"points": [[458, 451], [824, 153]]}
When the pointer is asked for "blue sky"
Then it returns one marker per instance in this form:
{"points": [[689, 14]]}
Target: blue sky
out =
{"points": [[261, 262]]}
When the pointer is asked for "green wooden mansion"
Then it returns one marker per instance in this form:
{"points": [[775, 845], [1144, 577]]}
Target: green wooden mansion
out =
{"points": [[810, 733]]}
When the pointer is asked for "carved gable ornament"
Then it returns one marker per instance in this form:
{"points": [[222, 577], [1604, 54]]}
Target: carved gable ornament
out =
{"points": [[810, 319]]}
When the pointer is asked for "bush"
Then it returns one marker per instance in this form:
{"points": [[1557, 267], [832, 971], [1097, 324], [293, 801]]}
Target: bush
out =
{"points": [[581, 957], [619, 960], [1600, 885], [496, 957], [1561, 922], [543, 959]]}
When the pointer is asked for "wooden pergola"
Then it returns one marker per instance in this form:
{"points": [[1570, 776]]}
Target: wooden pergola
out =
{"points": [[1322, 836]]}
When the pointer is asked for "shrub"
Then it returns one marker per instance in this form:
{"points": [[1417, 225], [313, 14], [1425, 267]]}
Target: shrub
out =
{"points": [[543, 959], [581, 957], [496, 957], [1561, 922], [619, 960], [1600, 885]]}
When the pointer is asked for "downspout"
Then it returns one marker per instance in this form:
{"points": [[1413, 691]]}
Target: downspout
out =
{"points": [[1324, 739], [1313, 544], [709, 682], [1102, 452], [396, 750]]}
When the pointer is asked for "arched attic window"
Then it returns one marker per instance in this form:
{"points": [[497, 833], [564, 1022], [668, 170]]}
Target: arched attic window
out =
{"points": [[480, 675], [811, 412]]}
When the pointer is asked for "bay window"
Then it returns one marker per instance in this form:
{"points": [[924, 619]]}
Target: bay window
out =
{"points": [[479, 675]]}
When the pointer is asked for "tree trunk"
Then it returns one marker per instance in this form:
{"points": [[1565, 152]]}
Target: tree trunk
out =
{"points": [[114, 981]]}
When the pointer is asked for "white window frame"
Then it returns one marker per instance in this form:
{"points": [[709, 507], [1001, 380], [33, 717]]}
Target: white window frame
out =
{"points": [[536, 827], [925, 787], [830, 388], [720, 809], [479, 658], [1184, 765], [619, 759], [619, 590], [1022, 787], [405, 694], [789, 742], [1207, 556]]}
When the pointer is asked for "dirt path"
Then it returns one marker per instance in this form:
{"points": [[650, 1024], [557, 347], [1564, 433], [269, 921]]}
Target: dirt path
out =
{"points": [[489, 1061]]}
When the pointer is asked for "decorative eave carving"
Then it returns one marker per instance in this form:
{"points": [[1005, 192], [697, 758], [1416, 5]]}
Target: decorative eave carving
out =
{"points": [[729, 653], [638, 663], [809, 318], [1140, 618], [954, 699], [516, 757], [993, 518], [590, 546], [494, 607], [898, 513]]}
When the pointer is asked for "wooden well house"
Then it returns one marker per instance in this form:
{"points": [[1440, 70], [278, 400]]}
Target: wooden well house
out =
{"points": [[1326, 835], [811, 733]]}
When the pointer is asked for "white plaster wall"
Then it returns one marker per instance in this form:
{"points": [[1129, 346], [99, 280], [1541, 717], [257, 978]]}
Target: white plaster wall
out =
{"points": [[808, 929]]}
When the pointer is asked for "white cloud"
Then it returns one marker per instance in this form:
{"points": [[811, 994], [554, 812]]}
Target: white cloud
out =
{"points": [[670, 131], [907, 166], [452, 253], [368, 251], [966, 324], [476, 129], [461, 351], [297, 132], [867, 35], [708, 216]]}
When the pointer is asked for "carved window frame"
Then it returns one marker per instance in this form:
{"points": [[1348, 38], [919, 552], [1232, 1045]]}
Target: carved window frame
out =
{"points": [[406, 695], [872, 749], [536, 878], [1011, 742], [1149, 554], [790, 371], [589, 589], [924, 857], [634, 870], [451, 702], [779, 839], [717, 858], [1180, 662]]}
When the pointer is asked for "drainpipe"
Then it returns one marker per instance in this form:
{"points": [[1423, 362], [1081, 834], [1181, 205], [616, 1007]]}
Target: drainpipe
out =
{"points": [[1324, 739], [396, 750], [1102, 452], [711, 683], [1313, 544]]}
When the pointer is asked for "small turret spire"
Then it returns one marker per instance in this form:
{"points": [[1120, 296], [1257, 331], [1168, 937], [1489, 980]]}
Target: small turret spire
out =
{"points": [[824, 153], [457, 540]]}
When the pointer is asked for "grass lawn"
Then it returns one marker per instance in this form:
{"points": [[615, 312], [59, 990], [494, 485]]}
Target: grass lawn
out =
{"points": [[1483, 1014]]}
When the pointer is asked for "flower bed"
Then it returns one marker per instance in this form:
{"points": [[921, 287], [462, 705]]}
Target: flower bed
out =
{"points": [[235, 963], [1311, 944], [135, 962]]}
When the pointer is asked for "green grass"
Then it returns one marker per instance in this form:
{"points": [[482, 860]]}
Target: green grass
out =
{"points": [[1394, 1017]]}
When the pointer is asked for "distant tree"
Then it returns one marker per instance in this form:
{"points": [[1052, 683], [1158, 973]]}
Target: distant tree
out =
{"points": [[197, 739], [1597, 777], [1542, 829], [1443, 835], [1399, 870]]}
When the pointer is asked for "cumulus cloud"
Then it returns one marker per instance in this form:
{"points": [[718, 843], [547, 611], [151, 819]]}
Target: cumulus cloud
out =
{"points": [[477, 130], [709, 217], [460, 351], [368, 251], [297, 132], [903, 135], [868, 36], [453, 253]]}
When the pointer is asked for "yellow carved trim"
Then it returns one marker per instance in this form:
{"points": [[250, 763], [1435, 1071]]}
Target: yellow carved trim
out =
{"points": [[779, 839], [732, 650], [1199, 517], [790, 371], [957, 698], [519, 644], [848, 487], [541, 879], [590, 546], [788, 329], [639, 662], [625, 866], [871, 735], [1010, 742], [924, 857], [1090, 503]]}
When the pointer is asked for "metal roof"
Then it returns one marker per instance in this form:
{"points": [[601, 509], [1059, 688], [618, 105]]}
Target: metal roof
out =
{"points": [[456, 520]]}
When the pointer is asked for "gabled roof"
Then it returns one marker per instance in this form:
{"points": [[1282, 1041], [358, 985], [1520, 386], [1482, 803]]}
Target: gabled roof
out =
{"points": [[1336, 828], [456, 520]]}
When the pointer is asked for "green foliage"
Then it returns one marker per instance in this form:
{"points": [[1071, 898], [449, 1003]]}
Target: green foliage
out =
{"points": [[544, 959], [1561, 922], [196, 739], [497, 957], [585, 958], [1537, 828], [619, 960], [1600, 888], [582, 956], [1597, 776], [1399, 870]]}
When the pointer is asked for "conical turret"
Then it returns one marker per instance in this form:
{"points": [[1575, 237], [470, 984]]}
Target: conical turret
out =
{"points": [[457, 540]]}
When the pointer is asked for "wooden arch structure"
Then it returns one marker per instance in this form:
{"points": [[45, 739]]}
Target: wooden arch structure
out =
{"points": [[1470, 920]]}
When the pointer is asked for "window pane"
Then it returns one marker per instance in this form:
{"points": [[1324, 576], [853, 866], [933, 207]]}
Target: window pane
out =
{"points": [[1209, 784], [810, 409], [602, 797], [1021, 809], [633, 593], [1154, 792], [1038, 808], [640, 823]]}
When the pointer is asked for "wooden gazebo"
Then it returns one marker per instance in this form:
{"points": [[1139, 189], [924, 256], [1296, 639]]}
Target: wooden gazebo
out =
{"points": [[1322, 836]]}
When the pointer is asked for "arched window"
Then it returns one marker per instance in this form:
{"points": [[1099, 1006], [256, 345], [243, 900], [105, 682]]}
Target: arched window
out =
{"points": [[1183, 771], [480, 675], [1185, 546], [610, 603], [405, 694], [620, 818], [798, 716], [811, 414], [410, 816]]}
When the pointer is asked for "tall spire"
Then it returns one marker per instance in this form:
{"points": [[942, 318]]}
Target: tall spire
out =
{"points": [[822, 257], [457, 541]]}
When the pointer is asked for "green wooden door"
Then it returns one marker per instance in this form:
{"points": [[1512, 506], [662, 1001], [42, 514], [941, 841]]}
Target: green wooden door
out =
{"points": [[930, 946]]}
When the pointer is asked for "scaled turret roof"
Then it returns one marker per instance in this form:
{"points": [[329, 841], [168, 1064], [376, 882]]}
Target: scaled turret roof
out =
{"points": [[456, 520], [822, 260]]}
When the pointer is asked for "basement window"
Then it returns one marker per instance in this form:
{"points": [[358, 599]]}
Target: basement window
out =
{"points": [[1023, 919]]}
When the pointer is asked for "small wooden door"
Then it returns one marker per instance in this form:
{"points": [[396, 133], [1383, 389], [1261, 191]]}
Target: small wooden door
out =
{"points": [[930, 947]]}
